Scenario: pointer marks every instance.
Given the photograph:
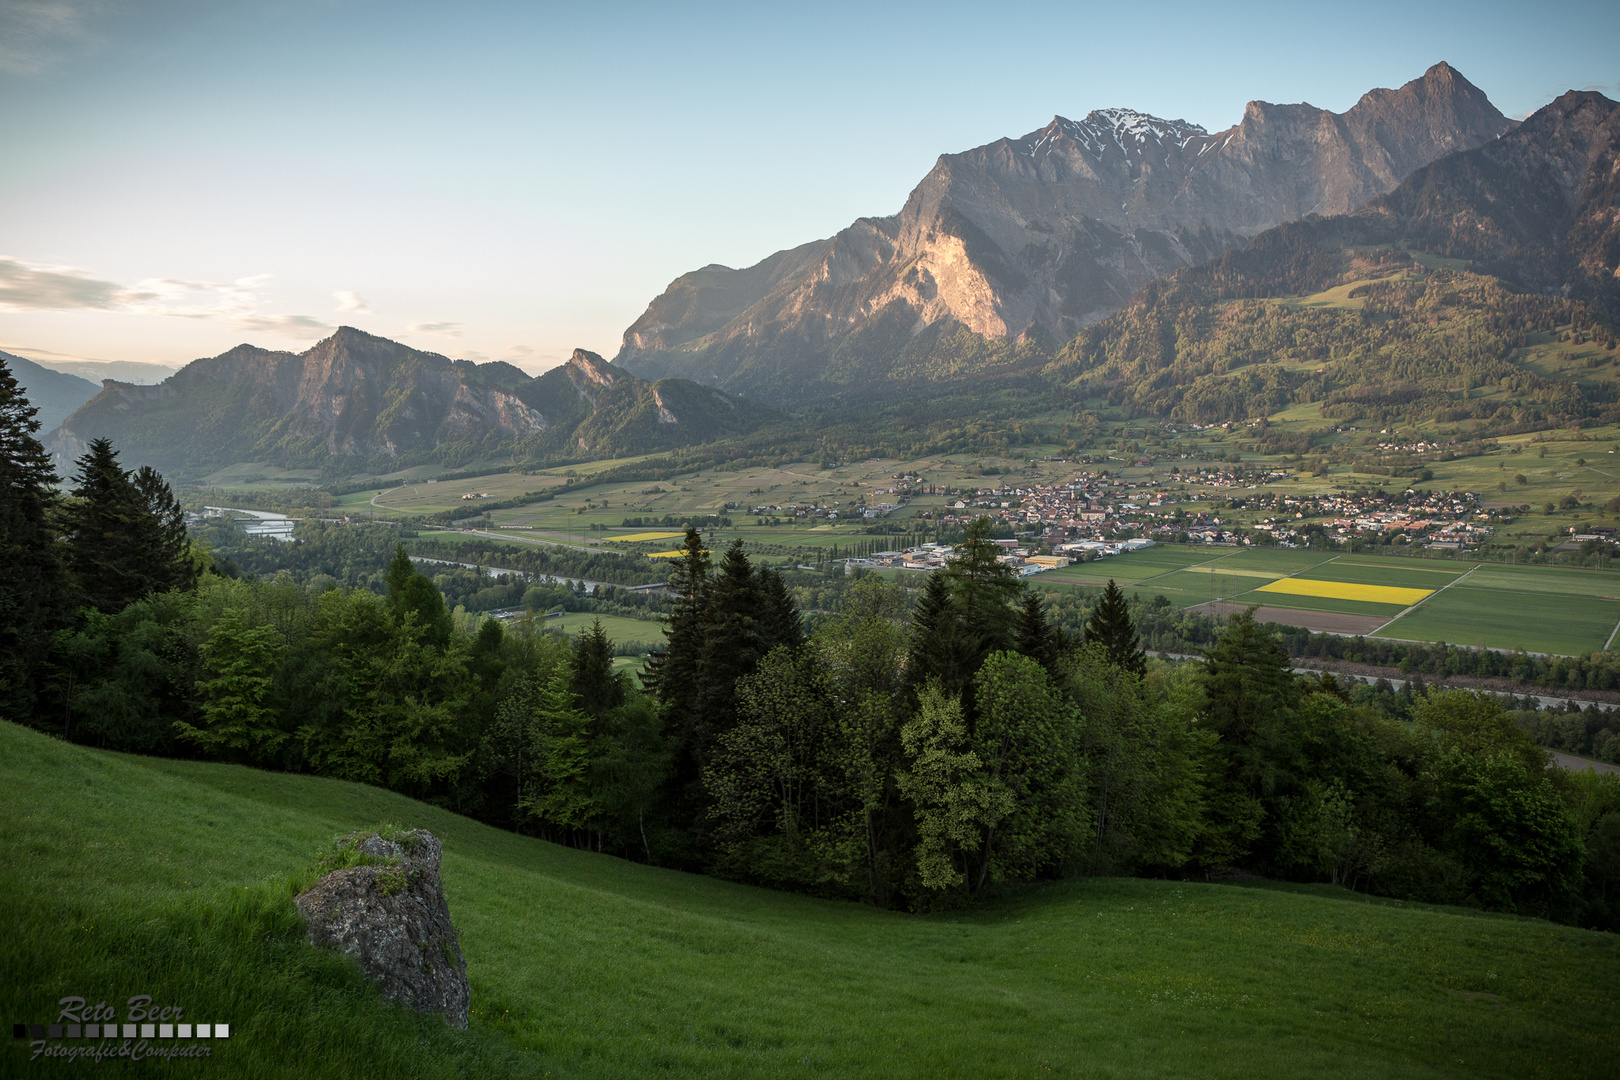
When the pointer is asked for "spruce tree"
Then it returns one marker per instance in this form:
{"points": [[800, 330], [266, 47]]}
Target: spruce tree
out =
{"points": [[165, 527], [1111, 627], [982, 588], [596, 687], [964, 615], [413, 592], [109, 556], [734, 642], [779, 619], [938, 649], [33, 588], [1035, 636], [674, 674]]}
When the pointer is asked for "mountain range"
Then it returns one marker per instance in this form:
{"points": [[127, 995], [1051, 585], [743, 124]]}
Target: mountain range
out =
{"points": [[1040, 236], [1538, 208], [54, 393], [370, 402], [1463, 242]]}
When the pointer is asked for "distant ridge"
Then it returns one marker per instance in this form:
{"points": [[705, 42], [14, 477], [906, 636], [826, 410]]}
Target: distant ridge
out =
{"points": [[360, 399], [54, 393]]}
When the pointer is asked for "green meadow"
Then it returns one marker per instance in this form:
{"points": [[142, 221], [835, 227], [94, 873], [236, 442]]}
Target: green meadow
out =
{"points": [[1498, 618], [171, 878], [620, 628]]}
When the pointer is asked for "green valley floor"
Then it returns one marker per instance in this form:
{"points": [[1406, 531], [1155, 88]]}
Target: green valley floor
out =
{"points": [[128, 875]]}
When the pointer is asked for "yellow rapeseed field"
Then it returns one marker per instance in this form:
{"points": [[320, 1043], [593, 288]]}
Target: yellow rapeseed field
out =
{"points": [[1346, 590], [632, 538]]}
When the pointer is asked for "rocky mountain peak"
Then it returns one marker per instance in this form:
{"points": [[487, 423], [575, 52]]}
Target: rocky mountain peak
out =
{"points": [[1054, 230], [591, 367]]}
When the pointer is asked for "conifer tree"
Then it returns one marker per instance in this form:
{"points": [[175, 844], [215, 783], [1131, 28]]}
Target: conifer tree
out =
{"points": [[118, 550], [1111, 627], [982, 588], [560, 795], [669, 673], [780, 622], [165, 527], [734, 642], [596, 687], [413, 592], [963, 616], [33, 589], [1036, 637], [938, 651]]}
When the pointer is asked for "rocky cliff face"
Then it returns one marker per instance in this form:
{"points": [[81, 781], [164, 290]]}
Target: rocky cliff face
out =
{"points": [[370, 400], [1539, 208], [1050, 232]]}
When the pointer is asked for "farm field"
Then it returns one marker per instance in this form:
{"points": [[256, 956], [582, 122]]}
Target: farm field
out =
{"points": [[173, 878], [619, 627], [1501, 618], [1294, 601], [435, 498], [1560, 610], [1133, 566]]}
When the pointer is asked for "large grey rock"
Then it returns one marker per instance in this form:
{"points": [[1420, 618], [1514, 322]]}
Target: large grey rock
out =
{"points": [[393, 918]]}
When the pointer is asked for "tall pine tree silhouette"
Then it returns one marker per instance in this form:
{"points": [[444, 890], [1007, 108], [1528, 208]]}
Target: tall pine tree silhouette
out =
{"points": [[126, 534], [33, 589], [1110, 626]]}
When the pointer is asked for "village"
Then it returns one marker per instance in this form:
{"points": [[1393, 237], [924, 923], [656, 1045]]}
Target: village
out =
{"points": [[1099, 516]]}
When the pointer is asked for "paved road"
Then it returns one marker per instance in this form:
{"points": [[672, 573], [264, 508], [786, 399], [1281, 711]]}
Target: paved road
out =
{"points": [[1580, 764]]}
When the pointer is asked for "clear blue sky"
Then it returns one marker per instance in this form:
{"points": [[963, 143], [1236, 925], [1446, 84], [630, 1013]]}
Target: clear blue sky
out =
{"points": [[506, 180]]}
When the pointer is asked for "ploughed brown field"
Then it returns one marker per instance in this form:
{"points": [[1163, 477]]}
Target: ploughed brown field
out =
{"points": [[1324, 622]]}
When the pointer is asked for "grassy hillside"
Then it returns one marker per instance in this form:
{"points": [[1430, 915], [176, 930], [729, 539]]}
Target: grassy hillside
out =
{"points": [[136, 875]]}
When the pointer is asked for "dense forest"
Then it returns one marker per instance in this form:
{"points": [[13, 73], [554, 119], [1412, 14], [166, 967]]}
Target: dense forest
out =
{"points": [[914, 755]]}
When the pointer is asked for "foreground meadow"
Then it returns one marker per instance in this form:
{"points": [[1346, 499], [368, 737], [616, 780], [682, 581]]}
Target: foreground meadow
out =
{"points": [[128, 874]]}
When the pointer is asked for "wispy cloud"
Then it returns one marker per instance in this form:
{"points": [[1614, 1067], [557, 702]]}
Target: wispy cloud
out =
{"points": [[350, 301], [441, 329], [53, 288], [291, 326], [34, 34], [59, 288]]}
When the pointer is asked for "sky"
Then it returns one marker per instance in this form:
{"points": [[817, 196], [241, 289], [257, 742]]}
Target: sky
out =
{"points": [[511, 181]]}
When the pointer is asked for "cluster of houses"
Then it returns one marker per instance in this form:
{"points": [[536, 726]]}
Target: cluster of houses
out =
{"points": [[1098, 512], [1438, 519], [1018, 555], [834, 511]]}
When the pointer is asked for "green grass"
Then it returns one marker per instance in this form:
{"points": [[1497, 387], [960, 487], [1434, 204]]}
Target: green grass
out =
{"points": [[1499, 618], [1131, 566], [619, 627], [1280, 560], [1561, 580], [1204, 586], [1373, 574], [137, 875]]}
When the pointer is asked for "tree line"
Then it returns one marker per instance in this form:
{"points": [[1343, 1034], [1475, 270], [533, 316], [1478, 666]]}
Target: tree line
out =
{"points": [[908, 752]]}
